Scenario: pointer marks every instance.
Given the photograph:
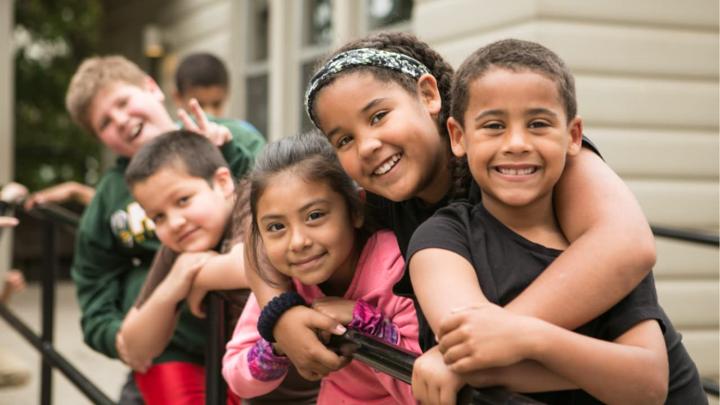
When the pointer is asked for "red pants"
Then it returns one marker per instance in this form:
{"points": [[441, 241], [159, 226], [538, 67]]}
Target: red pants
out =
{"points": [[175, 383]]}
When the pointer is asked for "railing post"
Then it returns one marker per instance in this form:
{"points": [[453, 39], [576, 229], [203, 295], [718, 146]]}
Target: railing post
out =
{"points": [[215, 388], [48, 310]]}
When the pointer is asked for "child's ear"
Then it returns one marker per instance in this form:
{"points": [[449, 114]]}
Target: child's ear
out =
{"points": [[575, 129], [429, 93], [456, 137], [224, 179], [151, 86]]}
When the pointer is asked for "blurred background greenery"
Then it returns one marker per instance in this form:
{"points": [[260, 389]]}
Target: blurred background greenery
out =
{"points": [[52, 38]]}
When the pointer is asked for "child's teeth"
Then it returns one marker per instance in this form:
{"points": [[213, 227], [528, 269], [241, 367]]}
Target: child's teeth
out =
{"points": [[516, 172], [387, 165]]}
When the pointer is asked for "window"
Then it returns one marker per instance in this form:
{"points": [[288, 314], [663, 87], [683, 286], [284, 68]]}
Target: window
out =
{"points": [[317, 31], [256, 82], [384, 13]]}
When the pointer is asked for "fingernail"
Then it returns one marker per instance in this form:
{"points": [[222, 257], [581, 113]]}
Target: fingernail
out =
{"points": [[339, 329]]}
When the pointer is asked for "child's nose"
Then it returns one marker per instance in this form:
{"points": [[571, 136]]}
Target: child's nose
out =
{"points": [[516, 140], [299, 240], [118, 116], [175, 221], [367, 144]]}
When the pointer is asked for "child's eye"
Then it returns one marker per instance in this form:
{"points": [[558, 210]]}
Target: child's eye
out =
{"points": [[184, 200], [343, 140], [538, 124], [377, 117], [158, 218], [315, 215], [274, 227], [493, 125]]}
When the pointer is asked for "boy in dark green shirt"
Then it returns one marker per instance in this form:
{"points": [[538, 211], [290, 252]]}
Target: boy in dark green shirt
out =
{"points": [[113, 99]]}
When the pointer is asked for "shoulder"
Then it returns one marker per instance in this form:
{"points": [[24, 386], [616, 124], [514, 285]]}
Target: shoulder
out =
{"points": [[457, 215], [110, 189], [237, 127], [381, 252], [450, 228]]}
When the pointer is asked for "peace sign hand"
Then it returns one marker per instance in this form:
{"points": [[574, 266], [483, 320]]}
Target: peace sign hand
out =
{"points": [[216, 133]]}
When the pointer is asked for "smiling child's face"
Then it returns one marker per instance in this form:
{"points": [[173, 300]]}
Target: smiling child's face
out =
{"points": [[125, 116], [307, 231], [516, 136], [386, 138], [190, 214]]}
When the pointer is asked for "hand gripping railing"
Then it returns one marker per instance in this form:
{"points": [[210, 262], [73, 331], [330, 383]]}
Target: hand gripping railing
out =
{"points": [[398, 363]]}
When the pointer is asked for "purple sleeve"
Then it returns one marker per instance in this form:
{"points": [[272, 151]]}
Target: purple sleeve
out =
{"points": [[368, 319]]}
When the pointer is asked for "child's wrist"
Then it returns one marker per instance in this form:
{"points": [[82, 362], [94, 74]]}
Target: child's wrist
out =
{"points": [[534, 337], [274, 309], [264, 364], [368, 319]]}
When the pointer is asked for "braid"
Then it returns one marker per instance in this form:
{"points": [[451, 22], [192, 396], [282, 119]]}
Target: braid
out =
{"points": [[462, 178]]}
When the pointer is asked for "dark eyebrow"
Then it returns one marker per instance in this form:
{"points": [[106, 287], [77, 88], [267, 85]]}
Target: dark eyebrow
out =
{"points": [[541, 110], [486, 113], [532, 111], [303, 208], [364, 110]]}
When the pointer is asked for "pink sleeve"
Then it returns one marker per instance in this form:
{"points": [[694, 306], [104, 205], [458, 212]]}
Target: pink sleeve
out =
{"points": [[401, 312], [236, 368]]}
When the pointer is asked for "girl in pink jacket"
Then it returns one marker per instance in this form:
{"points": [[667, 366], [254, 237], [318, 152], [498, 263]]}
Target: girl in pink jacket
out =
{"points": [[307, 222]]}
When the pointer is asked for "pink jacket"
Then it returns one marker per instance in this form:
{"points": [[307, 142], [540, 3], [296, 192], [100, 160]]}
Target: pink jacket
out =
{"points": [[379, 268]]}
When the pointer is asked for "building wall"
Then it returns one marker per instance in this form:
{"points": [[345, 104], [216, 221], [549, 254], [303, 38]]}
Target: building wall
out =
{"points": [[647, 84], [185, 26]]}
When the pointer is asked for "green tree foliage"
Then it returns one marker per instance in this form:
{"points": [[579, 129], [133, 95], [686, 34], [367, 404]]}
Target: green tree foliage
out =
{"points": [[52, 38]]}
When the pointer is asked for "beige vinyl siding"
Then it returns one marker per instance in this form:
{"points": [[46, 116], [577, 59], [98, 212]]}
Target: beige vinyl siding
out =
{"points": [[647, 84]]}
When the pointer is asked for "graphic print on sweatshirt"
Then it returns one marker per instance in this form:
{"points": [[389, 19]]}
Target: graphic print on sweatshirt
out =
{"points": [[132, 225]]}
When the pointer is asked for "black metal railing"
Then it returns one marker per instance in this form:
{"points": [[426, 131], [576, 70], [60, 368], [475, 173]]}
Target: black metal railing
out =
{"points": [[52, 216], [398, 363], [375, 353], [685, 235]]}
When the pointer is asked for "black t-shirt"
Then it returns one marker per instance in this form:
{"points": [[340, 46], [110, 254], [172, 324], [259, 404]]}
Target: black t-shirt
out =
{"points": [[506, 263]]}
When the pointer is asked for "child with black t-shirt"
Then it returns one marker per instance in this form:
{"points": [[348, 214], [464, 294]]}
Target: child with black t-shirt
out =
{"points": [[514, 120]]}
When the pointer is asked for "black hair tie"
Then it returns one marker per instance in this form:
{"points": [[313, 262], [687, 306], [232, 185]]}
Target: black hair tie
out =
{"points": [[274, 310]]}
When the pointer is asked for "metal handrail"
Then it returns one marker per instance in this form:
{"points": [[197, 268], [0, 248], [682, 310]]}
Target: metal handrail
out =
{"points": [[398, 363], [55, 359], [52, 215], [685, 235]]}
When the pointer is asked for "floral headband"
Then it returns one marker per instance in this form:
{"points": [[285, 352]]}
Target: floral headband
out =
{"points": [[360, 57]]}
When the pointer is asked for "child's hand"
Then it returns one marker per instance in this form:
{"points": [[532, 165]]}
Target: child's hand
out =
{"points": [[484, 336], [217, 134], [13, 192], [176, 285], [8, 222], [195, 300], [296, 335], [339, 309], [432, 380], [14, 283], [125, 355]]}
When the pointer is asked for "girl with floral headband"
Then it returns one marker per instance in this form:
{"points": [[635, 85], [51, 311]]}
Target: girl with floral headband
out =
{"points": [[383, 103]]}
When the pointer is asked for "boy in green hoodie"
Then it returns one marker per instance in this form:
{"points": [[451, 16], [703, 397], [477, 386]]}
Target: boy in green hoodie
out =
{"points": [[114, 100]]}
